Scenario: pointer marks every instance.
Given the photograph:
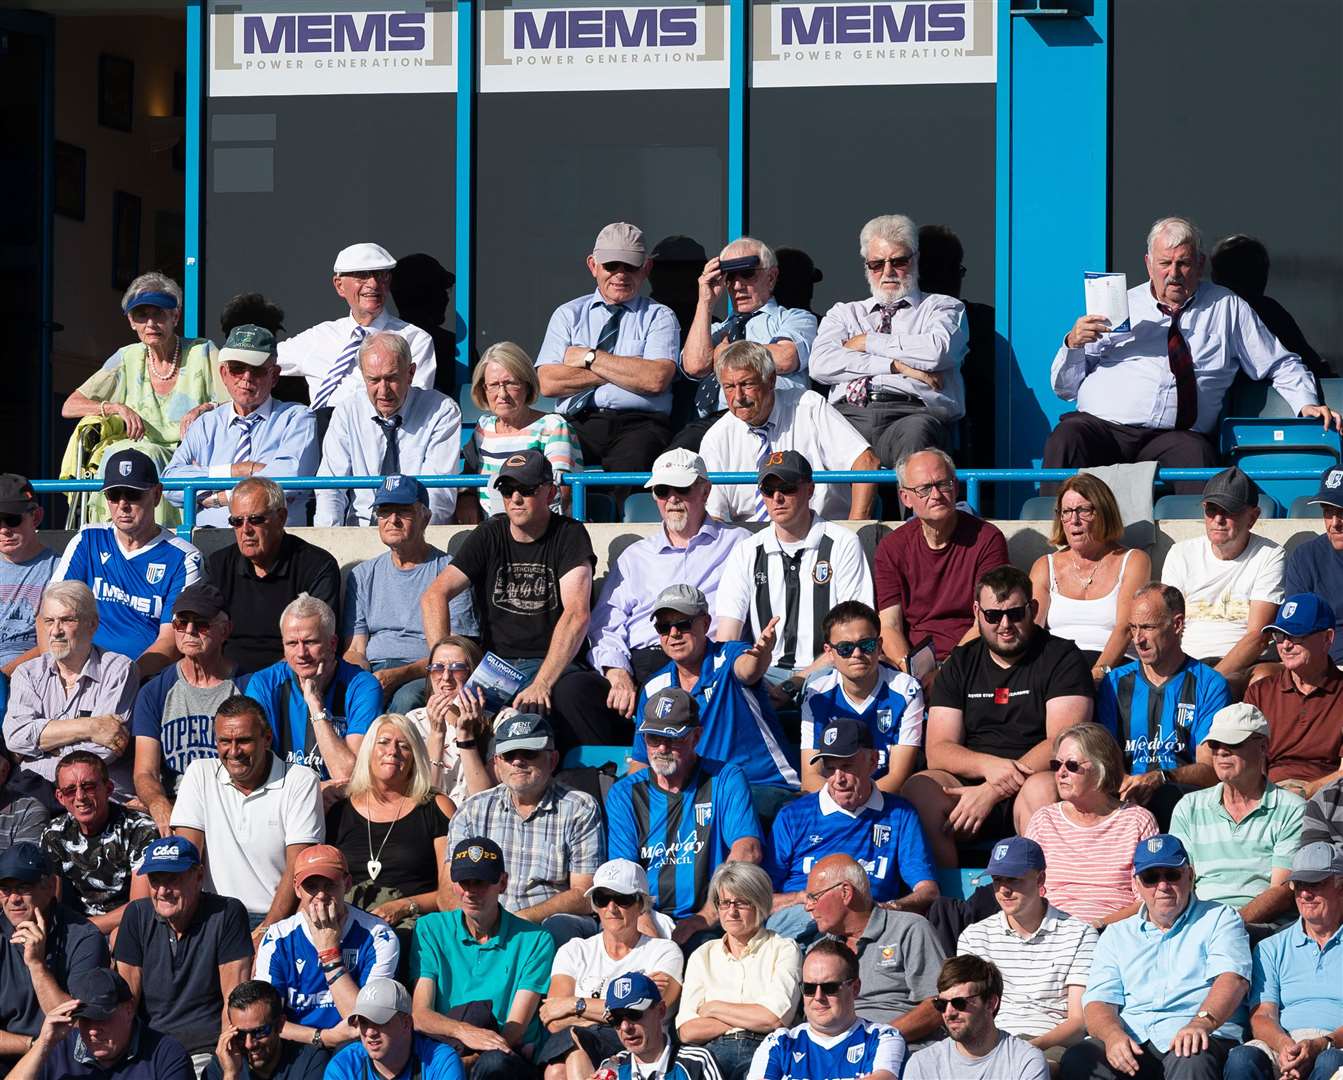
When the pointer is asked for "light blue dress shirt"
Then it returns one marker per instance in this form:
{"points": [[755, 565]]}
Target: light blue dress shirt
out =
{"points": [[647, 329], [1157, 979], [285, 439], [774, 323]]}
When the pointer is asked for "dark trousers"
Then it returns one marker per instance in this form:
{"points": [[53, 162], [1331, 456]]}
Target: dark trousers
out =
{"points": [[690, 436], [621, 440], [646, 663], [583, 718], [894, 428], [1086, 1061], [1081, 440]]}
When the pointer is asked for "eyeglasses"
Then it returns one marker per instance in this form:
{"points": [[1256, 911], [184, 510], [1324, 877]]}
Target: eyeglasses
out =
{"points": [[1014, 614], [1152, 878], [508, 384], [733, 905], [457, 667], [769, 490], [123, 495], [895, 262], [11, 521], [946, 487], [387, 510], [827, 989], [603, 897], [666, 491], [813, 897], [845, 649], [88, 787], [189, 623], [261, 1031], [254, 520], [1081, 513], [957, 1003], [1071, 765], [681, 625], [364, 275], [508, 490], [619, 1016]]}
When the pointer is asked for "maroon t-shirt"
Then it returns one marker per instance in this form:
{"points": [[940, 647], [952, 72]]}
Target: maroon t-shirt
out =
{"points": [[935, 589]]}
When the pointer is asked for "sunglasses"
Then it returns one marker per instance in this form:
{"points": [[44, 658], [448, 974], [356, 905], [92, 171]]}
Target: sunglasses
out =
{"points": [[189, 623], [1014, 614], [619, 1016], [254, 520], [457, 667], [665, 628], [829, 989], [604, 897], [619, 267], [769, 490], [845, 649], [11, 521], [261, 1031], [666, 491], [1278, 637], [957, 1003], [88, 787], [1071, 765], [1151, 878], [897, 262], [525, 490], [123, 495]]}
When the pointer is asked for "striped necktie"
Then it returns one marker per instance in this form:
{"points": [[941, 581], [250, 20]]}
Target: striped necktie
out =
{"points": [[859, 390], [606, 342], [248, 425], [343, 366], [708, 391], [761, 433], [1182, 369]]}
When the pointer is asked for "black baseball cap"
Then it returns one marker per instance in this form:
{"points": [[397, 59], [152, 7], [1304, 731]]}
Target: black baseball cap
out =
{"points": [[529, 468], [1232, 490], [842, 738], [16, 494], [99, 991], [670, 713], [201, 599], [477, 858], [130, 469], [786, 465]]}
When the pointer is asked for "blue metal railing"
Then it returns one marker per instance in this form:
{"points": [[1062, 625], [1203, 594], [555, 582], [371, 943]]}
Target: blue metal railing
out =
{"points": [[580, 482]]}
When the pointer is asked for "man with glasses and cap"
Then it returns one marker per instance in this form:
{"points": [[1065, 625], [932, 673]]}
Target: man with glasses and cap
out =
{"points": [[42, 946], [1166, 987], [689, 549], [26, 565], [850, 815], [253, 435], [1242, 832], [97, 1034], [1317, 565], [530, 571], [173, 723], [327, 354], [726, 680], [181, 949], [635, 1010], [479, 972], [681, 840], [1296, 992], [134, 566], [250, 1047], [389, 1047], [610, 356]]}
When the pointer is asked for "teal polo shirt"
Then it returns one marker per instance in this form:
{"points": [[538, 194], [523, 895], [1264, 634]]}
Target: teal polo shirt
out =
{"points": [[518, 957], [1302, 979], [1233, 861]]}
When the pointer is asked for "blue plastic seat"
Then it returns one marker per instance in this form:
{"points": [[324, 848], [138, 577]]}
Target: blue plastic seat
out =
{"points": [[1301, 507], [596, 756], [641, 507], [957, 883], [1037, 508], [1190, 507]]}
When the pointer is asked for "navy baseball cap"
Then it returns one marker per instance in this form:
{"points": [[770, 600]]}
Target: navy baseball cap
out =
{"points": [[1163, 849], [786, 465], [169, 855], [1302, 614], [1331, 488], [633, 990], [477, 858], [843, 737], [99, 991], [530, 468], [398, 490], [130, 469], [25, 861], [524, 731], [670, 713], [1012, 858]]}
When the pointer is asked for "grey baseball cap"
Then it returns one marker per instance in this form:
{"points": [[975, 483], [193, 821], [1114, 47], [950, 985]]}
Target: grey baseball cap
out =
{"points": [[1317, 861], [381, 999], [686, 599], [620, 242]]}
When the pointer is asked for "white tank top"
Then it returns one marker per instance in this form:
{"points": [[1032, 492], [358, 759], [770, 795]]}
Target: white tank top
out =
{"points": [[1089, 623]]}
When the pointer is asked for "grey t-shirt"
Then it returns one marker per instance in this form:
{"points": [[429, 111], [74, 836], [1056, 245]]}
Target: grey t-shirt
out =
{"points": [[180, 717], [1012, 1057], [384, 603], [899, 958], [21, 585]]}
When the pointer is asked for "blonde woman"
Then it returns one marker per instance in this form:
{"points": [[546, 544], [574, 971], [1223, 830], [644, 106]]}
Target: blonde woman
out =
{"points": [[504, 387]]}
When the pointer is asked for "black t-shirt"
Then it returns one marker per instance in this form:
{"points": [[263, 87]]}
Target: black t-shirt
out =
{"points": [[179, 977], [406, 846], [73, 944], [1004, 708], [256, 603], [517, 586], [298, 1061]]}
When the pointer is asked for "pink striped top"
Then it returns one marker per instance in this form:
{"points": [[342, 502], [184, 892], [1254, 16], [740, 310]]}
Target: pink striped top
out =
{"points": [[1089, 869]]}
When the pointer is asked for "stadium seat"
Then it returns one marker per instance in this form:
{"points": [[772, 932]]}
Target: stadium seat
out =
{"points": [[1272, 443], [1190, 507], [1301, 507], [957, 883], [1037, 508], [640, 507], [597, 756], [470, 412]]}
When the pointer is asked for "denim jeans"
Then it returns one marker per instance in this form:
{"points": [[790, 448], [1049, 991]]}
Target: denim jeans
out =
{"points": [[733, 1055]]}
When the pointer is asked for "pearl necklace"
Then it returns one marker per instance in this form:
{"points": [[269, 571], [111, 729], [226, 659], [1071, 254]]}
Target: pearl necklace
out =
{"points": [[172, 364]]}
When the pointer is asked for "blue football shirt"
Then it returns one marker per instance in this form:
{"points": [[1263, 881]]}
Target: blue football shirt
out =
{"points": [[353, 700], [802, 1054], [893, 713], [1160, 727]]}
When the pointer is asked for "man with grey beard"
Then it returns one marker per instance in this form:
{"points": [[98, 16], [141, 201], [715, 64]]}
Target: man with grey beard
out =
{"points": [[690, 549]]}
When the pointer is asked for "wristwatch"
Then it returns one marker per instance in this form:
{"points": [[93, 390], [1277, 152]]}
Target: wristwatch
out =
{"points": [[414, 909], [322, 717], [317, 1037], [589, 358], [580, 1006], [1203, 1014]]}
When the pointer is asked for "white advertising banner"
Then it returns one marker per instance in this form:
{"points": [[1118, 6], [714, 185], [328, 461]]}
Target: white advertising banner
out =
{"points": [[279, 49], [529, 46], [874, 44]]}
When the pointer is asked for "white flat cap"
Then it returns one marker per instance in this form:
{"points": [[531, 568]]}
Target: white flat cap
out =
{"points": [[363, 257]]}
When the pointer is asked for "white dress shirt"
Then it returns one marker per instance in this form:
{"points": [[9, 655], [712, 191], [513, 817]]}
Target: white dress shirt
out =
{"points": [[428, 441], [930, 334], [1125, 378], [312, 353], [801, 420]]}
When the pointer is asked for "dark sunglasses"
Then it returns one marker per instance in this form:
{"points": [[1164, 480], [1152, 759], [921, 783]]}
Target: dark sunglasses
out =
{"points": [[769, 490], [88, 787], [458, 666], [957, 1003], [254, 520], [1168, 874], [867, 645], [741, 275], [829, 989], [897, 262], [525, 490], [619, 1016], [1014, 614], [129, 495], [602, 897], [1070, 765], [261, 1031], [13, 521], [665, 628], [187, 623], [666, 491], [617, 267]]}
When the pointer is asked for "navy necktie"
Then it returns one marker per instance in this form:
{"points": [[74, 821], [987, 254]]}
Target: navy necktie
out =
{"points": [[391, 456]]}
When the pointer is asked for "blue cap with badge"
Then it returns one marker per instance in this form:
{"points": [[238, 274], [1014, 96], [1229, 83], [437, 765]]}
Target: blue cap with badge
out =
{"points": [[1302, 614], [398, 490], [1012, 858], [1163, 849], [633, 990], [169, 855]]}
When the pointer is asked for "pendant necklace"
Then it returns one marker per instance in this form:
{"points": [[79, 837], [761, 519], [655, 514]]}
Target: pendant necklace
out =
{"points": [[375, 861]]}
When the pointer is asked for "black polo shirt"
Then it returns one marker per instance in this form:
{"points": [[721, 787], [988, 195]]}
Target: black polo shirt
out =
{"points": [[298, 1061], [73, 944], [256, 603], [179, 977]]}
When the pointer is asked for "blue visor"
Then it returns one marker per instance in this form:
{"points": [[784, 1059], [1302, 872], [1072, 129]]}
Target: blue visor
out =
{"points": [[151, 299]]}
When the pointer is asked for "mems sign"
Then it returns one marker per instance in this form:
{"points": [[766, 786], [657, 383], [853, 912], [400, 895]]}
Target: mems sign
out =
{"points": [[371, 32], [604, 28], [862, 24]]}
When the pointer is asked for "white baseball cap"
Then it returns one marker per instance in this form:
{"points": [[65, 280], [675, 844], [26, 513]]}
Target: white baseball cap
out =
{"points": [[1236, 723], [362, 257], [679, 468], [620, 876]]}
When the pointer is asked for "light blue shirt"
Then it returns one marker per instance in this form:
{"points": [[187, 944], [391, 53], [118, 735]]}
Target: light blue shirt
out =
{"points": [[1302, 979], [1157, 979], [647, 329], [285, 439], [772, 324]]}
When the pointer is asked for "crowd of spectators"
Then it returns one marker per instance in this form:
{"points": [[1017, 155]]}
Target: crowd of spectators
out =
{"points": [[253, 823]]}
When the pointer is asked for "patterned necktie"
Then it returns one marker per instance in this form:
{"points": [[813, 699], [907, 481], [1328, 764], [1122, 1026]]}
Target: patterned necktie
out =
{"points": [[859, 390], [706, 396], [761, 433], [606, 342], [391, 456], [343, 366], [1182, 367], [248, 425]]}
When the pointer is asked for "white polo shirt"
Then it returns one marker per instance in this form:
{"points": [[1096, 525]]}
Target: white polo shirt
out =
{"points": [[246, 835]]}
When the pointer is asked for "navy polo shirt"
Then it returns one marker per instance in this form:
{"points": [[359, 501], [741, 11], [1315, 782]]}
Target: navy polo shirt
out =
{"points": [[151, 1056], [73, 944], [298, 1061]]}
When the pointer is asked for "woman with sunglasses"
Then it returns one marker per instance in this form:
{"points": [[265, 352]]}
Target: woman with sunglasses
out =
{"points": [[573, 1010], [1085, 589], [143, 391], [747, 983], [456, 729], [1089, 836], [504, 388]]}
